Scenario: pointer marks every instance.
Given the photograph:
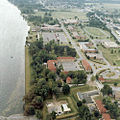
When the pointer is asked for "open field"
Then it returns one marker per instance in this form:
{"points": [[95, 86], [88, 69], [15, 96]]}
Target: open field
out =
{"points": [[111, 6], [113, 59]]}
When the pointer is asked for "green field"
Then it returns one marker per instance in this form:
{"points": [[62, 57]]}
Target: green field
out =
{"points": [[112, 58], [69, 14], [96, 32]]}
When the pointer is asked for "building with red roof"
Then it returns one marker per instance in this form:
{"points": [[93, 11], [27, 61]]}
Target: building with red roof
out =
{"points": [[102, 110], [100, 106], [68, 80], [101, 79], [106, 116], [86, 66], [51, 65]]}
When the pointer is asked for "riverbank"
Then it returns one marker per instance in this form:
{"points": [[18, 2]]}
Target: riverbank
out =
{"points": [[27, 70], [17, 117]]}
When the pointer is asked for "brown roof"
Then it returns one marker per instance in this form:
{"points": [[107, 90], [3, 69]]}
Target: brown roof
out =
{"points": [[100, 106], [65, 58], [86, 65], [106, 116], [51, 65], [68, 80]]}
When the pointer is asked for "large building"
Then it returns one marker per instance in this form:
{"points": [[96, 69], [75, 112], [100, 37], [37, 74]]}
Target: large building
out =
{"points": [[68, 64], [86, 66]]}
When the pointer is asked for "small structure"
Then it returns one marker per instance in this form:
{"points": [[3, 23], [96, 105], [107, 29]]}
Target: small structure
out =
{"points": [[65, 108], [68, 80], [86, 66], [101, 79], [51, 65]]}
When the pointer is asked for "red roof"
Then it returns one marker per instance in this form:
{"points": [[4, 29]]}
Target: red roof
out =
{"points": [[100, 106], [106, 116], [51, 65], [68, 80], [58, 58], [101, 79], [86, 65]]}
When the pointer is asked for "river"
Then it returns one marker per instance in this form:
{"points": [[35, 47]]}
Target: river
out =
{"points": [[13, 31]]}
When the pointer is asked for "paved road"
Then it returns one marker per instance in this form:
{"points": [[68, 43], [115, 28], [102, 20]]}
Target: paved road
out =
{"points": [[72, 42]]}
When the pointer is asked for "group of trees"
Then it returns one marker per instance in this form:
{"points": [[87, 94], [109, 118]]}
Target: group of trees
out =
{"points": [[79, 77], [47, 18], [45, 83], [84, 112], [112, 107], [65, 51], [106, 90]]}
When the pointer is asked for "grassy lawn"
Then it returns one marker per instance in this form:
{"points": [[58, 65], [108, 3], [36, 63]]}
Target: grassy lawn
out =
{"points": [[112, 58], [27, 70], [97, 32], [110, 74], [69, 14]]}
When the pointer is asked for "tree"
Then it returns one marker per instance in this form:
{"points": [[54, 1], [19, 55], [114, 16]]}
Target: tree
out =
{"points": [[96, 113], [66, 89], [79, 103], [38, 114], [53, 115], [115, 84], [84, 101], [29, 110]]}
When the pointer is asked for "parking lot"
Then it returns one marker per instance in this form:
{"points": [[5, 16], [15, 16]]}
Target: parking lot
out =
{"points": [[70, 66], [58, 37]]}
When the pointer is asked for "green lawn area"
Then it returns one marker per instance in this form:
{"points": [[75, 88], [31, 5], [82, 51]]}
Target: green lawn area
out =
{"points": [[27, 70], [112, 58], [69, 14], [97, 32]]}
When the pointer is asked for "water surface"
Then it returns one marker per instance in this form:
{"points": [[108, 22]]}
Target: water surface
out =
{"points": [[13, 31]]}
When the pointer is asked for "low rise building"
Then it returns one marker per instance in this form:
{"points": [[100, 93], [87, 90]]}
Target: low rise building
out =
{"points": [[94, 56], [86, 66], [102, 110], [110, 44], [87, 47], [70, 21]]}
